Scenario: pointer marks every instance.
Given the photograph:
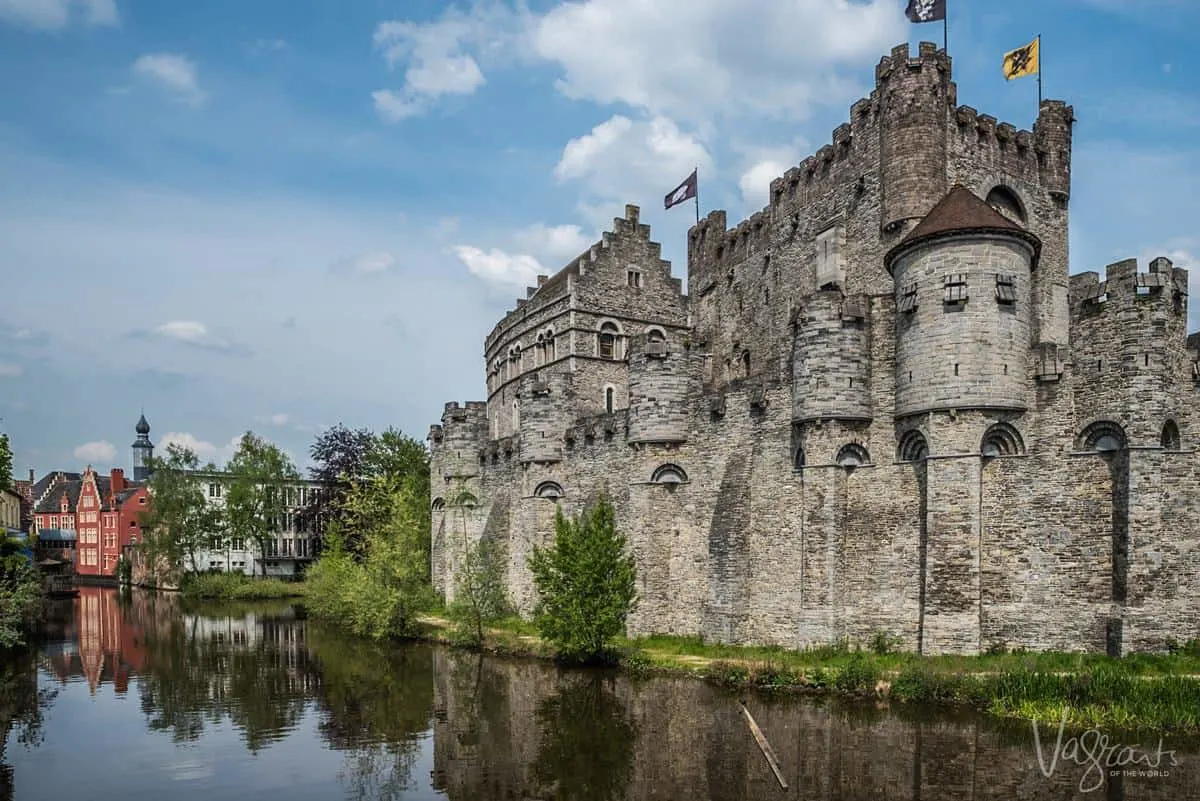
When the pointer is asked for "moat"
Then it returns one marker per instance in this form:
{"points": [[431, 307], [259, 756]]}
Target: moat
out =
{"points": [[140, 698]]}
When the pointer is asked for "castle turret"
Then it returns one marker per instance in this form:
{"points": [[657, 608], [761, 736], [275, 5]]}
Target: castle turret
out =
{"points": [[545, 408], [831, 358], [1052, 142], [143, 450], [963, 313], [916, 96], [1129, 348], [459, 440], [658, 390]]}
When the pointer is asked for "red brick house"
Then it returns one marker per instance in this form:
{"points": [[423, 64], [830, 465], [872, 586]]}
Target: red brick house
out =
{"points": [[102, 511]]}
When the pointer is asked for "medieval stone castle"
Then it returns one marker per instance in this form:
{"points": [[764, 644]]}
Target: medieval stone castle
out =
{"points": [[883, 405]]}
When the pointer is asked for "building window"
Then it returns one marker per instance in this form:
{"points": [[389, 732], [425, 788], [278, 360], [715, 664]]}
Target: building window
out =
{"points": [[214, 490], [908, 299], [1001, 439], [549, 489], [913, 447], [1103, 437], [852, 455], [954, 289], [1005, 201], [1170, 439], [798, 459], [516, 417], [634, 277], [669, 474], [745, 361], [609, 399], [1006, 289], [606, 346]]}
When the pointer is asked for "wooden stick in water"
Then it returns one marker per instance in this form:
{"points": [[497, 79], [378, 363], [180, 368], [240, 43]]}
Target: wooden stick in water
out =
{"points": [[764, 746]]}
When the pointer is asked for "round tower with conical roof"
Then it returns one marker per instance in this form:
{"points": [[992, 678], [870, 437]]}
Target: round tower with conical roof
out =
{"points": [[143, 450], [964, 310]]}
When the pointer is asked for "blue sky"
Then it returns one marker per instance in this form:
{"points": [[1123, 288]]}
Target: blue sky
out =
{"points": [[283, 214]]}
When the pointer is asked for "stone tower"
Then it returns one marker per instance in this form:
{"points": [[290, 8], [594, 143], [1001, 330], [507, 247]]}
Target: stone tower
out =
{"points": [[143, 450]]}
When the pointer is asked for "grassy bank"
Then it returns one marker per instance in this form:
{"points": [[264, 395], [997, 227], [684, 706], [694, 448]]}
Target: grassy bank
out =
{"points": [[238, 587], [1142, 691]]}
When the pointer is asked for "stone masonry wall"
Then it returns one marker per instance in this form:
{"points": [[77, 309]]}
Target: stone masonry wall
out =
{"points": [[1009, 528]]}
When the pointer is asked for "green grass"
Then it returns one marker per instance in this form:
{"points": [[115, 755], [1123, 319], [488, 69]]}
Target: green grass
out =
{"points": [[239, 587]]}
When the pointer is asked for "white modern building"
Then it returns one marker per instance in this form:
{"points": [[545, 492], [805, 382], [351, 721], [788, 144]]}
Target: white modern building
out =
{"points": [[286, 555]]}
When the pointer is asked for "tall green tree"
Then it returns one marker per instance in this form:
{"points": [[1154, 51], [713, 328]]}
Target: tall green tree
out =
{"points": [[178, 522], [256, 499], [585, 582], [339, 457], [6, 463]]}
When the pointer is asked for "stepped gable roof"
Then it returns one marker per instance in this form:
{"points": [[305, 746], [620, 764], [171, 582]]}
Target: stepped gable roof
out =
{"points": [[51, 504], [961, 212]]}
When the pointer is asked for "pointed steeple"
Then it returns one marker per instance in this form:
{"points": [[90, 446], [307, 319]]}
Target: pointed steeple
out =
{"points": [[143, 450]]}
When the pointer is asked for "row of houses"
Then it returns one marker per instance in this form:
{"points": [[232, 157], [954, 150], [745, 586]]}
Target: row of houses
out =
{"points": [[90, 520]]}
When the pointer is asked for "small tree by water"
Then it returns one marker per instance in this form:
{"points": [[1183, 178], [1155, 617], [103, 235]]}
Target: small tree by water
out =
{"points": [[479, 592], [585, 584]]}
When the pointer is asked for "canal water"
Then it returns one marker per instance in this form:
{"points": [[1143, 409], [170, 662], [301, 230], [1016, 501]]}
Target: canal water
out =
{"points": [[139, 698]]}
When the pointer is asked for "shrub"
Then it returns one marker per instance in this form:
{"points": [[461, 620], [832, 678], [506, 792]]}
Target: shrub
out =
{"points": [[585, 584], [857, 675]]}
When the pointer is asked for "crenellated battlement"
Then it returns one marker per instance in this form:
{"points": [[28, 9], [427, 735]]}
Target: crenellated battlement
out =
{"points": [[1124, 286], [929, 56]]}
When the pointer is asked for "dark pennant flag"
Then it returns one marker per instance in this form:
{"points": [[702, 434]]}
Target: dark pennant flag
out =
{"points": [[685, 191], [926, 10]]}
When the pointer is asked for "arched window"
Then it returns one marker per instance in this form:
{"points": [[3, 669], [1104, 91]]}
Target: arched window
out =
{"points": [[1170, 436], [669, 474], [550, 349], [1001, 439], [745, 364], [913, 447], [655, 335], [1102, 436], [516, 417], [549, 489], [852, 455], [439, 504], [798, 459], [610, 395], [1005, 201], [539, 353], [607, 341]]}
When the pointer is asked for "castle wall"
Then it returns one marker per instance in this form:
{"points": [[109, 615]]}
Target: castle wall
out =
{"points": [[811, 509]]}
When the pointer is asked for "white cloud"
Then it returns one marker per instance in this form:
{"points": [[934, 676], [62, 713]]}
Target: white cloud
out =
{"points": [[621, 160], [698, 59], [96, 452], [366, 263], [55, 14], [192, 333], [183, 330], [204, 450], [277, 419], [174, 73], [10, 370], [555, 244], [443, 57], [761, 165], [498, 267]]}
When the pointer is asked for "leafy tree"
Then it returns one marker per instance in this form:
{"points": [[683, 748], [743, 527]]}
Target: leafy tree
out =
{"points": [[373, 576], [178, 522], [256, 500], [479, 591], [20, 593], [6, 463], [586, 583], [339, 457]]}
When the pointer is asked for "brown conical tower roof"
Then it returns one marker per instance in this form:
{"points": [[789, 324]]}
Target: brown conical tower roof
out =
{"points": [[961, 212]]}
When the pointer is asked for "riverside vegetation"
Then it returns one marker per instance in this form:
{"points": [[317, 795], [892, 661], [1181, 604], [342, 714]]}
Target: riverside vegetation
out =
{"points": [[373, 579], [20, 586]]}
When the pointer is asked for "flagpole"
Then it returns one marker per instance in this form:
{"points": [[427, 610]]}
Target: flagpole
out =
{"points": [[946, 29], [1039, 49], [697, 198]]}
